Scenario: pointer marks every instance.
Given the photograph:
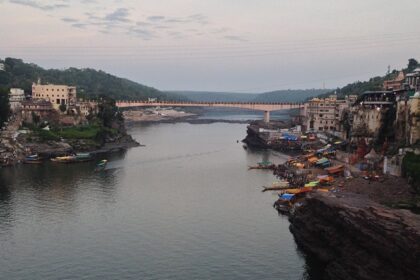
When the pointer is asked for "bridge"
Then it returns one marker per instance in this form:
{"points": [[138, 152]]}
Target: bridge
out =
{"points": [[264, 107]]}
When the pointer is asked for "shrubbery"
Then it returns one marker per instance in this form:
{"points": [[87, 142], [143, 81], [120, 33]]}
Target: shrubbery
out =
{"points": [[411, 169]]}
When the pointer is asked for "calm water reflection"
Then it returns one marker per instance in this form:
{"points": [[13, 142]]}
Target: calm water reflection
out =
{"points": [[183, 207]]}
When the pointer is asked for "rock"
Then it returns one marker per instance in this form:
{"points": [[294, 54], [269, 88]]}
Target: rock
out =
{"points": [[356, 238]]}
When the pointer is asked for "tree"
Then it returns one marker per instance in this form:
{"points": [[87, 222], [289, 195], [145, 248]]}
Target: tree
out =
{"points": [[412, 64], [62, 107], [108, 112], [4, 106]]}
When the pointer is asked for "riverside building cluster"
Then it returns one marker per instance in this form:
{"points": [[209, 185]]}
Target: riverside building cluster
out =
{"points": [[54, 103], [392, 113]]}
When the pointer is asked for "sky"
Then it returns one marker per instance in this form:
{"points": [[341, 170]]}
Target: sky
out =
{"points": [[215, 45]]}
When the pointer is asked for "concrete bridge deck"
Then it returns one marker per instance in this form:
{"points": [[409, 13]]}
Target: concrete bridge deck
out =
{"points": [[265, 107]]}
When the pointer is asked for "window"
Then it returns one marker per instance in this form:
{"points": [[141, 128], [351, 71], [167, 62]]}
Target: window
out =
{"points": [[58, 101], [321, 129]]}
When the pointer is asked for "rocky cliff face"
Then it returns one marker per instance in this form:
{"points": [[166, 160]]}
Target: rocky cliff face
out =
{"points": [[355, 238]]}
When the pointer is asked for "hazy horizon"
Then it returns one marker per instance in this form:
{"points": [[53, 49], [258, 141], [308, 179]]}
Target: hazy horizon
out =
{"points": [[218, 46]]}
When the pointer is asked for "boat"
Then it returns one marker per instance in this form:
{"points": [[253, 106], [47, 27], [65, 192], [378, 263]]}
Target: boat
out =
{"points": [[32, 159], [325, 179], [297, 190], [323, 162], [81, 157], [282, 206], [101, 165], [263, 165], [312, 184], [282, 183], [286, 196], [335, 169], [65, 159], [277, 186]]}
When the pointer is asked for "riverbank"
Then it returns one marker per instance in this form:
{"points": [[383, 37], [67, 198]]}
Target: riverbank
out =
{"points": [[48, 144], [192, 116], [352, 237], [351, 224], [156, 115]]}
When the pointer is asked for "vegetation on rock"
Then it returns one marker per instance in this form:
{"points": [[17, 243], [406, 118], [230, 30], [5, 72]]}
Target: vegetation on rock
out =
{"points": [[4, 106]]}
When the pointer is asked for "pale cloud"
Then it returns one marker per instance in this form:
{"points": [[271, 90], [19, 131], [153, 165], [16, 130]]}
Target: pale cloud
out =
{"points": [[119, 15], [66, 19], [216, 45], [234, 38], [155, 18], [40, 4]]}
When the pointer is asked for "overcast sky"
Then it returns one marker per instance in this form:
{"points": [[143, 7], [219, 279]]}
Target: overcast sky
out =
{"points": [[216, 45]]}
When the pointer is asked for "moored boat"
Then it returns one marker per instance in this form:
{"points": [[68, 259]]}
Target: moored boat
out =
{"points": [[80, 157], [65, 159], [335, 169], [101, 165], [32, 159]]}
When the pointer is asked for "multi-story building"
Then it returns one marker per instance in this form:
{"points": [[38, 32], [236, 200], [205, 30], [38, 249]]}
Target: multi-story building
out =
{"points": [[2, 67], [16, 96], [326, 114], [413, 79], [56, 94], [38, 108]]}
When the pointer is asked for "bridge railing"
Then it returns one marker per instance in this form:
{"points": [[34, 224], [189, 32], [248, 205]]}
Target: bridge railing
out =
{"points": [[204, 102]]}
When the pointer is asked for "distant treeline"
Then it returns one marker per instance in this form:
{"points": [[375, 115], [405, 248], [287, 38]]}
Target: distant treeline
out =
{"points": [[274, 96]]}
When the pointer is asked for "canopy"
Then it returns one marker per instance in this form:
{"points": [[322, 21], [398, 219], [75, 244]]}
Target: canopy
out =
{"points": [[286, 196]]}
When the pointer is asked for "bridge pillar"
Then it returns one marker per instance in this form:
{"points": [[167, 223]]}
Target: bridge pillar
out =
{"points": [[266, 116]]}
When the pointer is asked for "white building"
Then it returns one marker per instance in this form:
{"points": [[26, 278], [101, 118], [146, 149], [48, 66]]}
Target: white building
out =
{"points": [[325, 114], [16, 96], [2, 67]]}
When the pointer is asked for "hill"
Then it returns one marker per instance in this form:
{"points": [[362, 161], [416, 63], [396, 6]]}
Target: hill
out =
{"points": [[372, 84], [208, 96], [290, 95], [90, 83], [274, 96]]}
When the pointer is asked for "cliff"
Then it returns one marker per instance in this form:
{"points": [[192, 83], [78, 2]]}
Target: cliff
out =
{"points": [[353, 237]]}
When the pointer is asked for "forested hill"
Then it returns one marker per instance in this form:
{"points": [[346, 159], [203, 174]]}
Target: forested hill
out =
{"points": [[274, 96], [290, 95], [209, 96], [375, 83], [89, 82]]}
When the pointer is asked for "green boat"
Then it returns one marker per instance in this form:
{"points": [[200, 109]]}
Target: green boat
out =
{"points": [[101, 165], [83, 157]]}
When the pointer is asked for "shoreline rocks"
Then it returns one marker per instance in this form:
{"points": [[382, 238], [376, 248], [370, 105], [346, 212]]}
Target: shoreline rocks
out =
{"points": [[352, 237]]}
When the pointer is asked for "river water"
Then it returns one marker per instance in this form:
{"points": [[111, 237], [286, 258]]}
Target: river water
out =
{"points": [[183, 207]]}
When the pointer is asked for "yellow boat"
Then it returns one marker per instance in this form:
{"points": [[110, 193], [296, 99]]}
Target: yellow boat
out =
{"points": [[65, 159]]}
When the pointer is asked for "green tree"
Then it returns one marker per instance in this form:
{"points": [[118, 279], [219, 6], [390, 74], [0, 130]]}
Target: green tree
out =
{"points": [[412, 64], [107, 111], [62, 107], [4, 106]]}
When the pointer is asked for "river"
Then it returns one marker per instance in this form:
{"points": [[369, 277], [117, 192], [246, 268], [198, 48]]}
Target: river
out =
{"points": [[182, 207]]}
